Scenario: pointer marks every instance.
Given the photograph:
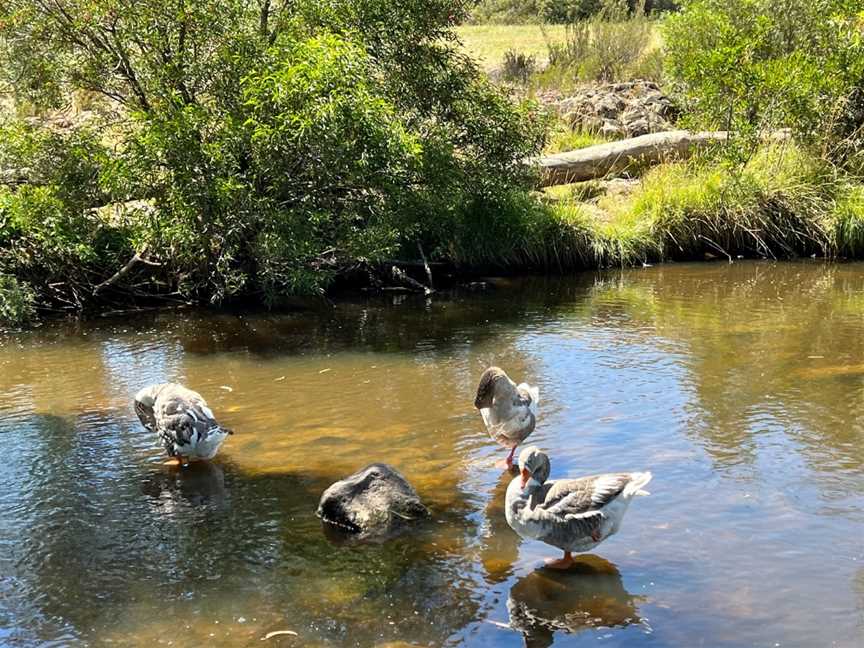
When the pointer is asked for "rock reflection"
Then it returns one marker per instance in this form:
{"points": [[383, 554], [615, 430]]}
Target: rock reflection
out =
{"points": [[588, 595]]}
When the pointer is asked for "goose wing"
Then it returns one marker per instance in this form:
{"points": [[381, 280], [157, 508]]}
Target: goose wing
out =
{"points": [[514, 417], [572, 509], [528, 397], [584, 497], [181, 412]]}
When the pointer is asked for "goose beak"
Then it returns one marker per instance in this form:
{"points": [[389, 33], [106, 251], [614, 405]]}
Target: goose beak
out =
{"points": [[525, 477]]}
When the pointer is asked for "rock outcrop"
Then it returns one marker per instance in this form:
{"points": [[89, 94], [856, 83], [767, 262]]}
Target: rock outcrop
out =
{"points": [[374, 503], [616, 110]]}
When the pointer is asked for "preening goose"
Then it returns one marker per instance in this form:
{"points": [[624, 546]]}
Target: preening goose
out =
{"points": [[571, 514], [508, 410], [185, 425]]}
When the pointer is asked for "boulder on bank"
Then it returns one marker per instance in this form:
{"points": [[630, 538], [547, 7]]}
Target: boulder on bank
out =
{"points": [[375, 503]]}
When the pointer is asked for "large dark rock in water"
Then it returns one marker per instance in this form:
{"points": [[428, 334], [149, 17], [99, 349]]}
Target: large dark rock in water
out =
{"points": [[374, 503]]}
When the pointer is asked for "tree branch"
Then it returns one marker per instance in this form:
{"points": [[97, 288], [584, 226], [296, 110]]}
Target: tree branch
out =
{"points": [[426, 265], [126, 269], [263, 19]]}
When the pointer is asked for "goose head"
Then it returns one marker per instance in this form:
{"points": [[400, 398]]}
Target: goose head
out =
{"points": [[145, 399], [534, 468], [492, 380], [147, 395]]}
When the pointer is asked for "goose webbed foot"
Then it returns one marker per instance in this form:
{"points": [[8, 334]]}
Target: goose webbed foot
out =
{"points": [[508, 462], [562, 563]]}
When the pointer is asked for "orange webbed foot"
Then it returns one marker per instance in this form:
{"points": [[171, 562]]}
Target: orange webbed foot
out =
{"points": [[562, 563], [503, 464]]}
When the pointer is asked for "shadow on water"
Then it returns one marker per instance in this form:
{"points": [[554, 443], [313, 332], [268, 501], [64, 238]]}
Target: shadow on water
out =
{"points": [[588, 595], [377, 324]]}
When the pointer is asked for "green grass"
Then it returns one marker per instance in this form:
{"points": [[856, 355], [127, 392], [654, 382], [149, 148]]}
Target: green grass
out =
{"points": [[488, 43], [563, 139], [783, 203], [848, 221], [780, 204]]}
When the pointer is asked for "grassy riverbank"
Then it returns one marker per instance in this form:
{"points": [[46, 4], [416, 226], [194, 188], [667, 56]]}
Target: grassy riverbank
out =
{"points": [[783, 203], [333, 148]]}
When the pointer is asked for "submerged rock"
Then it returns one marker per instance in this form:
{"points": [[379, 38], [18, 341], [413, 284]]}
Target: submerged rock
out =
{"points": [[374, 503]]}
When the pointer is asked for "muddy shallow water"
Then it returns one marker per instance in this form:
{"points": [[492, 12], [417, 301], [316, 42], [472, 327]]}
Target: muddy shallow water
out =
{"points": [[741, 387]]}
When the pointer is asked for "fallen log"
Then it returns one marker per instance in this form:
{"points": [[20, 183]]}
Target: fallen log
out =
{"points": [[614, 158]]}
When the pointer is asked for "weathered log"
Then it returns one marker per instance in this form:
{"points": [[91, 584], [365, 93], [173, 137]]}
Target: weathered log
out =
{"points": [[603, 160]]}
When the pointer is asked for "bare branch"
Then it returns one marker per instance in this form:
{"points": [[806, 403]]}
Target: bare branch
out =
{"points": [[126, 269]]}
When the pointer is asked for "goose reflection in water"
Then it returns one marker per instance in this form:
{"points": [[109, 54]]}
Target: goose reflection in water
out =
{"points": [[201, 483], [499, 550], [590, 594]]}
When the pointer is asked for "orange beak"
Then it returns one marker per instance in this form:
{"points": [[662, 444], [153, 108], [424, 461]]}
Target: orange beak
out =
{"points": [[525, 477]]}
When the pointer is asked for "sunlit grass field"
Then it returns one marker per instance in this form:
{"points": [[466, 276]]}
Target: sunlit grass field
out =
{"points": [[488, 43]]}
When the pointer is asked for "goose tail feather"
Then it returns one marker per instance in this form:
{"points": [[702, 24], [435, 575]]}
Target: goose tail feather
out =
{"points": [[637, 481]]}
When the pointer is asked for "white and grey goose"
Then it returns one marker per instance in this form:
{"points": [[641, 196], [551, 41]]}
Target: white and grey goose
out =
{"points": [[185, 425], [509, 410], [571, 514]]}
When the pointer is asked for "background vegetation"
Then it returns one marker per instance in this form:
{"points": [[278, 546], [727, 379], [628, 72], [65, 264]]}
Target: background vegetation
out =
{"points": [[236, 150], [555, 11], [758, 65], [275, 145]]}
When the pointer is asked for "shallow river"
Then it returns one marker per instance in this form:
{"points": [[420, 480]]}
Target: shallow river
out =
{"points": [[741, 387]]}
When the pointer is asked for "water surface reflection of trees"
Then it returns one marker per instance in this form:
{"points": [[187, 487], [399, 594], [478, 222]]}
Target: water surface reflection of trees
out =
{"points": [[769, 346]]}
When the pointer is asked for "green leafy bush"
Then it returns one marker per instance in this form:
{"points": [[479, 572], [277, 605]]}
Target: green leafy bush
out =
{"points": [[753, 65], [555, 11], [278, 145], [17, 301], [566, 11], [50, 234]]}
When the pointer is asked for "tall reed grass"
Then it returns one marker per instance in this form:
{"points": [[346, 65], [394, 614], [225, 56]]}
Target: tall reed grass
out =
{"points": [[783, 203]]}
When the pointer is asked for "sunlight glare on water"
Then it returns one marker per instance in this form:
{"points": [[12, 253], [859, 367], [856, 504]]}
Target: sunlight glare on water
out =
{"points": [[739, 386]]}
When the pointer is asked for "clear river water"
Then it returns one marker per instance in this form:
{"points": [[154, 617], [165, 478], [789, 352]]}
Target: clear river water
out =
{"points": [[741, 387]]}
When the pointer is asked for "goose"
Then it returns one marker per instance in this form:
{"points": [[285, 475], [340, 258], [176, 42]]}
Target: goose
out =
{"points": [[571, 514], [185, 425], [508, 410]]}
